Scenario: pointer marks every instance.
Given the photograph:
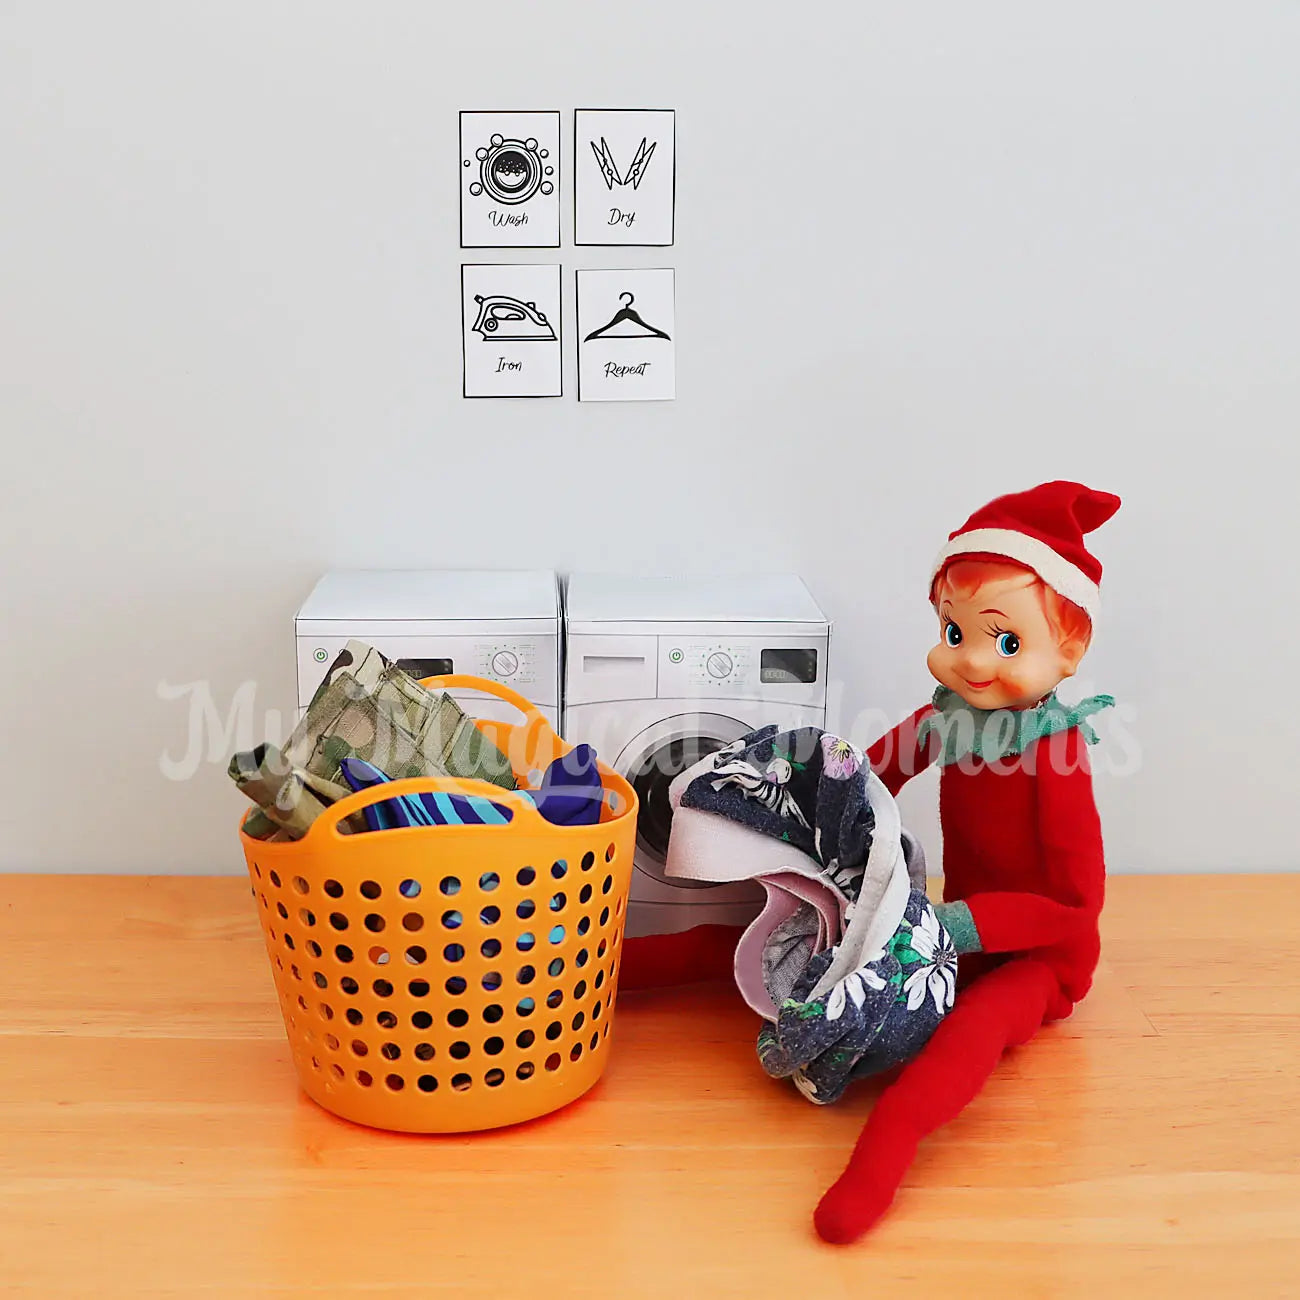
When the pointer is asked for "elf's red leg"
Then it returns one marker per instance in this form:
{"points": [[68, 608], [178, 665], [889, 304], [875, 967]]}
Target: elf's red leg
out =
{"points": [[707, 952], [997, 1011]]}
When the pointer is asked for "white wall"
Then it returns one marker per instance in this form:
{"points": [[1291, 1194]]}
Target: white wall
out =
{"points": [[926, 254]]}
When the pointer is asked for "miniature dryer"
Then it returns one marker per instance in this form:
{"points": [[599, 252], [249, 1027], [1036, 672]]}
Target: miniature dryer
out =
{"points": [[660, 672], [499, 624]]}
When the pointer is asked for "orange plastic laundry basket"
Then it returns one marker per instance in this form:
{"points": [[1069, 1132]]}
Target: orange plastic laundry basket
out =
{"points": [[448, 978]]}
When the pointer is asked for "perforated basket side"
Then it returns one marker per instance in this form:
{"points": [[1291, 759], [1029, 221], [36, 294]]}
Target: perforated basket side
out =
{"points": [[449, 978]]}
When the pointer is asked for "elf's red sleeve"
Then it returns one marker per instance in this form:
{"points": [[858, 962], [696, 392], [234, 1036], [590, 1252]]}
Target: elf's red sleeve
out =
{"points": [[1018, 922], [898, 755], [1071, 860]]}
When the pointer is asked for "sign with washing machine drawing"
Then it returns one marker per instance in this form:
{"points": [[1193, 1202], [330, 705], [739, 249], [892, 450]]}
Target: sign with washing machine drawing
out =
{"points": [[510, 326], [509, 180], [625, 176], [626, 331]]}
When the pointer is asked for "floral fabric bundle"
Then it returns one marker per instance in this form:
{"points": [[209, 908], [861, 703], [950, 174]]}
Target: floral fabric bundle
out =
{"points": [[848, 961]]}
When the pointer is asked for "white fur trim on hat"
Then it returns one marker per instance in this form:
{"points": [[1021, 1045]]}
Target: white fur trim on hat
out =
{"points": [[1055, 570]]}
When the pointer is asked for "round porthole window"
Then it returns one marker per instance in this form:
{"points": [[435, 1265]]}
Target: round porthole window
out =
{"points": [[512, 171], [651, 772]]}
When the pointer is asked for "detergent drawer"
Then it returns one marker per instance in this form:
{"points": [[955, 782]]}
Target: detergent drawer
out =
{"points": [[606, 668]]}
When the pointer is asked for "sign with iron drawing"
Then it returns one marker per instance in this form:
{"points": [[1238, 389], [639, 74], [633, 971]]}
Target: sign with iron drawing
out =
{"points": [[510, 330], [624, 170]]}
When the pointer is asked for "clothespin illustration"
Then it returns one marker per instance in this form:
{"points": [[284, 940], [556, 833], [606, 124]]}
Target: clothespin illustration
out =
{"points": [[636, 169]]}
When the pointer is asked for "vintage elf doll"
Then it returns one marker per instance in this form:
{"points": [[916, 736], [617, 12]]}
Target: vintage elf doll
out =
{"points": [[1016, 591]]}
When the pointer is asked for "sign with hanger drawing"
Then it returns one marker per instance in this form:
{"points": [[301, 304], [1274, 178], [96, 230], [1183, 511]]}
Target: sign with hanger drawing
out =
{"points": [[626, 336], [624, 169]]}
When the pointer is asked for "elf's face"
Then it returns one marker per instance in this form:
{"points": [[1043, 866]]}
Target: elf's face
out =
{"points": [[996, 648]]}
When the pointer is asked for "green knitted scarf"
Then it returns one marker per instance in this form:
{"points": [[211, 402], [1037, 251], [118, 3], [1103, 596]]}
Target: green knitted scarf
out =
{"points": [[991, 734]]}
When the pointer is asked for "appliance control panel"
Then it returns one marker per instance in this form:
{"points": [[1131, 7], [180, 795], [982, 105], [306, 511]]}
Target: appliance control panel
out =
{"points": [[790, 668], [527, 664]]}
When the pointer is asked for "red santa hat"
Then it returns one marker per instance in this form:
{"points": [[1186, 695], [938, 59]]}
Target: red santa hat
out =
{"points": [[1043, 530]]}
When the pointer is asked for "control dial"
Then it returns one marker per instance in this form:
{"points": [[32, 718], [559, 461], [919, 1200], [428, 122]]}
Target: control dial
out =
{"points": [[505, 663], [719, 664]]}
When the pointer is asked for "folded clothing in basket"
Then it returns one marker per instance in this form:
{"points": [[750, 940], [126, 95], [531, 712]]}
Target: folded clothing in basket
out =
{"points": [[369, 703], [430, 808], [366, 708], [570, 794], [288, 798]]}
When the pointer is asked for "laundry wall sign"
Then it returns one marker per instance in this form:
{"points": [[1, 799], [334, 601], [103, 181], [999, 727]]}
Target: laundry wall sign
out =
{"points": [[510, 327], [624, 170], [509, 180], [626, 330]]}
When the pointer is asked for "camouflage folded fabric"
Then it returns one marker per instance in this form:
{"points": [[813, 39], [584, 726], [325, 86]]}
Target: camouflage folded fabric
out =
{"points": [[288, 799], [466, 753], [259, 826], [362, 661], [393, 710], [370, 709]]}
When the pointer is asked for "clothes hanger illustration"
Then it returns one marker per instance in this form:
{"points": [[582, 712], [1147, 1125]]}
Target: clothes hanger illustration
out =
{"points": [[626, 316]]}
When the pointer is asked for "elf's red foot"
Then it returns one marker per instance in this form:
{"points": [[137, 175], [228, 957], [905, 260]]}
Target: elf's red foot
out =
{"points": [[998, 1010], [864, 1191], [840, 1219]]}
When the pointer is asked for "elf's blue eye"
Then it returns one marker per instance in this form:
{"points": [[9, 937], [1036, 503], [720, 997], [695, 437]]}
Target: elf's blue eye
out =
{"points": [[951, 634], [1007, 644]]}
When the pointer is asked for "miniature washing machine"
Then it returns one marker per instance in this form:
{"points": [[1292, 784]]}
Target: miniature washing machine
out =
{"points": [[660, 672], [499, 624]]}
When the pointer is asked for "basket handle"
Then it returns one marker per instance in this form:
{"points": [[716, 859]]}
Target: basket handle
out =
{"points": [[468, 682], [521, 807]]}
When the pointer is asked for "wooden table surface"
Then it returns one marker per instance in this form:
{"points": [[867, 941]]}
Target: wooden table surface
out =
{"points": [[153, 1141]]}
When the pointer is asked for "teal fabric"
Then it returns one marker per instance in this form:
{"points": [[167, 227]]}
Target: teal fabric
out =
{"points": [[960, 924], [991, 734]]}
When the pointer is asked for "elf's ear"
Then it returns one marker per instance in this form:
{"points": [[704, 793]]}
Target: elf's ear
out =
{"points": [[1072, 652]]}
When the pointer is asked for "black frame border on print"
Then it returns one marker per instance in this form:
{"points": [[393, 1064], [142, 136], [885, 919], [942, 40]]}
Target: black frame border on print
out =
{"points": [[577, 318], [578, 243], [556, 113], [559, 338]]}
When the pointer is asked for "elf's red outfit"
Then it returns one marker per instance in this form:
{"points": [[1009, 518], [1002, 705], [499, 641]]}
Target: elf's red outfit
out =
{"points": [[1023, 850]]}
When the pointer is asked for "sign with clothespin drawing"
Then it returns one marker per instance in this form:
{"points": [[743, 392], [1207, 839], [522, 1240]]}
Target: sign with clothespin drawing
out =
{"points": [[626, 336], [625, 164]]}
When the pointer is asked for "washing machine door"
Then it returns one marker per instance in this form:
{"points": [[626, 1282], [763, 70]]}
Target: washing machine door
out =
{"points": [[651, 761]]}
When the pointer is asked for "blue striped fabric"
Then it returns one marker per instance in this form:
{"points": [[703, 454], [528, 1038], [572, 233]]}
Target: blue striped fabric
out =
{"points": [[436, 808]]}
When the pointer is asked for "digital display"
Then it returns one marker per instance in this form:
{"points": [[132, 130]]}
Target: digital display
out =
{"points": [[786, 666], [421, 668]]}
